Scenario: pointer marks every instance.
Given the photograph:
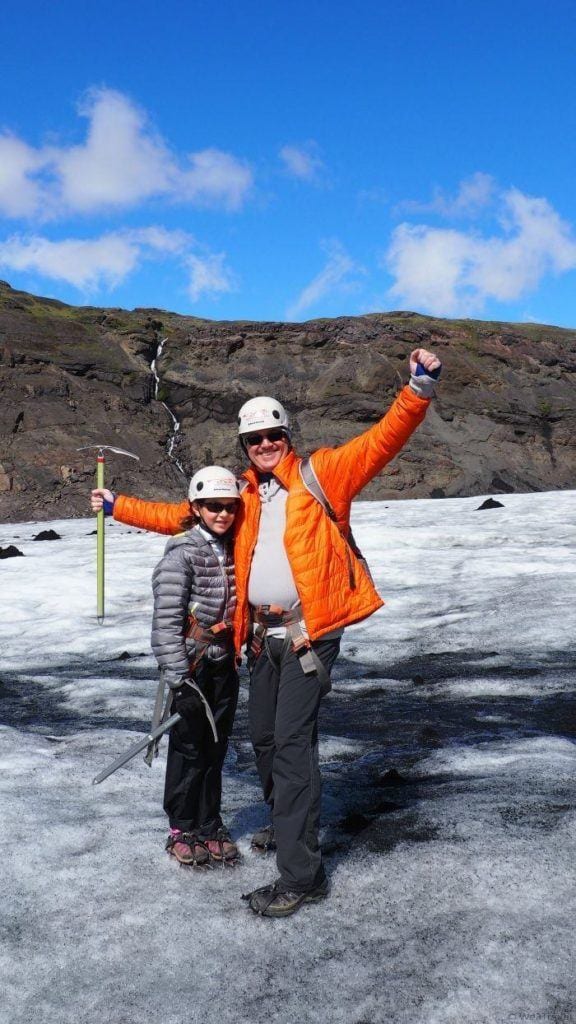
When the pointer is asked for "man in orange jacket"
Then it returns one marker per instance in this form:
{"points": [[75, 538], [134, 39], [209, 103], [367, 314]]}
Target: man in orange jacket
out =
{"points": [[299, 582]]}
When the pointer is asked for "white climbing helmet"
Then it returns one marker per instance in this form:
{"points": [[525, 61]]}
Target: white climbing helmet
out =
{"points": [[262, 413], [213, 482]]}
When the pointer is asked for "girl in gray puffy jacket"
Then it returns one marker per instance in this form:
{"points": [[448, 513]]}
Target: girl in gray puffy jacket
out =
{"points": [[196, 574]]}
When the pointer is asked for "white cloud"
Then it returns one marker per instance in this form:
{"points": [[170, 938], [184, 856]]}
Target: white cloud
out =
{"points": [[122, 163], [161, 239], [338, 274], [216, 178], [428, 265], [20, 194], [209, 276], [84, 263], [89, 264], [473, 196], [302, 161], [450, 273]]}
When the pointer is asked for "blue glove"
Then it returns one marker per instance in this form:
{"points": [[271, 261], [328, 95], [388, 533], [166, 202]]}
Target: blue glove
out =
{"points": [[108, 506], [421, 371], [423, 380]]}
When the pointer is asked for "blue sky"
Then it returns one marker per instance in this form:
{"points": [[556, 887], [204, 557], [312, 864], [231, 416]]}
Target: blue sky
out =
{"points": [[271, 161]]}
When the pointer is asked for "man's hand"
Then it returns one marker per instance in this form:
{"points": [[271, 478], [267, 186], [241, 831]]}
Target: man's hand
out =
{"points": [[101, 497], [424, 372], [428, 360]]}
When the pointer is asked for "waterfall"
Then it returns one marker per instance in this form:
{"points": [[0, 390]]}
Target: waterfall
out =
{"points": [[153, 365], [175, 423]]}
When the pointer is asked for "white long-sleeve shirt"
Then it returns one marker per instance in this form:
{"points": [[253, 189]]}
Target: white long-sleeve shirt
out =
{"points": [[271, 580]]}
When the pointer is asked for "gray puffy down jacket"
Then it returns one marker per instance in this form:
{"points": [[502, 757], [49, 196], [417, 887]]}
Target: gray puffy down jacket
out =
{"points": [[189, 573]]}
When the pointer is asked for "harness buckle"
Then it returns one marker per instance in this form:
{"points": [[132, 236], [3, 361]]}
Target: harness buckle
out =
{"points": [[269, 615], [202, 634], [257, 640], [219, 627], [299, 641]]}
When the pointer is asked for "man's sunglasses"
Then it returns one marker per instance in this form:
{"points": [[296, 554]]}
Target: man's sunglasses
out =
{"points": [[272, 435], [217, 506]]}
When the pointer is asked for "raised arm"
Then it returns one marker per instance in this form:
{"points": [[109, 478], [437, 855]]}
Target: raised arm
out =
{"points": [[345, 470], [158, 516]]}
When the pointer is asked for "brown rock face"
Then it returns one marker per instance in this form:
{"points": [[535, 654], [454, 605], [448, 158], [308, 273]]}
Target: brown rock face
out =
{"points": [[504, 420]]}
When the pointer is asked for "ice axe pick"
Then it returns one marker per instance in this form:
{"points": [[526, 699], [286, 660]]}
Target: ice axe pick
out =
{"points": [[100, 462]]}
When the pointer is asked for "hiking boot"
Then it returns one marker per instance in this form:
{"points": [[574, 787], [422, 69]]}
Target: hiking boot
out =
{"points": [[221, 848], [188, 849], [264, 840], [277, 900]]}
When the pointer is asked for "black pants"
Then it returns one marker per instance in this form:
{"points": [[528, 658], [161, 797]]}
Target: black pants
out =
{"points": [[283, 715], [193, 787]]}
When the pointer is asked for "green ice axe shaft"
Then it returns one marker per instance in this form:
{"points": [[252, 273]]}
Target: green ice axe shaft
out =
{"points": [[100, 568], [100, 565]]}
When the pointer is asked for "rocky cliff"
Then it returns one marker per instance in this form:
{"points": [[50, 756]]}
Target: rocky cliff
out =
{"points": [[505, 418]]}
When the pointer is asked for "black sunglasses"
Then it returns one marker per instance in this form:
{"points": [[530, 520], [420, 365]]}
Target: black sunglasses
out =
{"points": [[272, 435], [217, 506]]}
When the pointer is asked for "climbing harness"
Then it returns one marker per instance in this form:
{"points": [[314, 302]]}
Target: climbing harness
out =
{"points": [[269, 616], [204, 637]]}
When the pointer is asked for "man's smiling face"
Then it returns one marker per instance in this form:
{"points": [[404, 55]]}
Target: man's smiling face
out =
{"points": [[266, 448]]}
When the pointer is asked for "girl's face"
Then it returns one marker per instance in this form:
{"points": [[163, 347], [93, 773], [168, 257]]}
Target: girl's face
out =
{"points": [[216, 513]]}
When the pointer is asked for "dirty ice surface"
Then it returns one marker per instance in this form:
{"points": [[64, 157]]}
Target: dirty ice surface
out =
{"points": [[449, 766]]}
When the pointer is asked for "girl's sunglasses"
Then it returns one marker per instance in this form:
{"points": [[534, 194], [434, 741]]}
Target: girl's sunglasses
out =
{"points": [[272, 435], [217, 506]]}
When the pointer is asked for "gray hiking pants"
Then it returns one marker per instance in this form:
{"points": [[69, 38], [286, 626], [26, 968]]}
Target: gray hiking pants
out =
{"points": [[283, 717]]}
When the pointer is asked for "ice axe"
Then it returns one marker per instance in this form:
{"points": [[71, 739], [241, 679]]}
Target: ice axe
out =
{"points": [[100, 461], [141, 744], [156, 732]]}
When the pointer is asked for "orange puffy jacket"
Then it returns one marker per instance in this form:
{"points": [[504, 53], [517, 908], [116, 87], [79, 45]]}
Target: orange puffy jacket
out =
{"points": [[318, 554]]}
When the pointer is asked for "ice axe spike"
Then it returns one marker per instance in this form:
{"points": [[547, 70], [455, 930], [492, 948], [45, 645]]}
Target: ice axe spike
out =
{"points": [[100, 461], [154, 735]]}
